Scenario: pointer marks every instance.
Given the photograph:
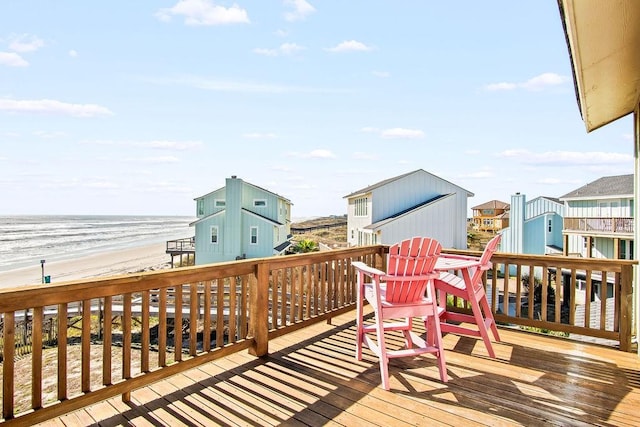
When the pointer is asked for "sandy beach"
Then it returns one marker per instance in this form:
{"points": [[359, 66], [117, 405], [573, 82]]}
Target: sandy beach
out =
{"points": [[123, 261]]}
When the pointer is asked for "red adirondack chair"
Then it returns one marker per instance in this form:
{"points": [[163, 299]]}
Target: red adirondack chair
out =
{"points": [[405, 291], [470, 288]]}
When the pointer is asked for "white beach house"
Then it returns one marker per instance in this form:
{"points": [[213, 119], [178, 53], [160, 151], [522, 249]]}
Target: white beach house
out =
{"points": [[417, 203]]}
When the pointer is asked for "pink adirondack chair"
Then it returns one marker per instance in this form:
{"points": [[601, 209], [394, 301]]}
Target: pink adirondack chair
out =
{"points": [[405, 291], [471, 290]]}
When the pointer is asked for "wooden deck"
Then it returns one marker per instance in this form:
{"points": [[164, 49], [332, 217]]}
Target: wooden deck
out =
{"points": [[311, 378]]}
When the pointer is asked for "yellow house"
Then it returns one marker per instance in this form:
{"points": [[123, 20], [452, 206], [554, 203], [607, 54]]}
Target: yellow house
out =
{"points": [[491, 216]]}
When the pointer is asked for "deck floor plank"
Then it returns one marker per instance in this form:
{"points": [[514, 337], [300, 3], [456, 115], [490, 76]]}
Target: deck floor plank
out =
{"points": [[311, 377]]}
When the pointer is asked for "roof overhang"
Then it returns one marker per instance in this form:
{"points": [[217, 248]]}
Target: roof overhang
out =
{"points": [[603, 38]]}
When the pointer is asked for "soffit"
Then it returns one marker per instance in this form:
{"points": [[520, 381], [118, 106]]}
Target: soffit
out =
{"points": [[603, 38]]}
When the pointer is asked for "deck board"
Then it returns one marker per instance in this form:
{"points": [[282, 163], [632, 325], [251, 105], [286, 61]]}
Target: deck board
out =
{"points": [[312, 378]]}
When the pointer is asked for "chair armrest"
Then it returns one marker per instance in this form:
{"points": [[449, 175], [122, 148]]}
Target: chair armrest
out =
{"points": [[456, 256], [367, 270], [428, 276]]}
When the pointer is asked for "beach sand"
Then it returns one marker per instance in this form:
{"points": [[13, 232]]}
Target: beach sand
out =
{"points": [[123, 261]]}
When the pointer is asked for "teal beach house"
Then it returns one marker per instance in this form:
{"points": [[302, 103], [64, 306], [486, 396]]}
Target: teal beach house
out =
{"points": [[241, 220]]}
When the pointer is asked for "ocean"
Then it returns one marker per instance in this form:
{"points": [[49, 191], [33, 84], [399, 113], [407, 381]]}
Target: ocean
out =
{"points": [[27, 239]]}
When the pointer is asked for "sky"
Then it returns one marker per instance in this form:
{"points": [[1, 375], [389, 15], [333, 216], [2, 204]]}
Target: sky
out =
{"points": [[137, 108]]}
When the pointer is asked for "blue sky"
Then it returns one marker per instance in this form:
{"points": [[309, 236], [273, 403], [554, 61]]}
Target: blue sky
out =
{"points": [[127, 107]]}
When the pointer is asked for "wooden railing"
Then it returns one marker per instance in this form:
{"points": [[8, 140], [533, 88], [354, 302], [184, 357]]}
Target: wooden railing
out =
{"points": [[599, 225], [133, 330], [158, 325], [562, 294], [188, 244]]}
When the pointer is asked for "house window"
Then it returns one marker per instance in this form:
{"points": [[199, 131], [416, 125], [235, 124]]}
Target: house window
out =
{"points": [[361, 206], [253, 233], [220, 203], [259, 203], [214, 234], [200, 207], [549, 226], [488, 212]]}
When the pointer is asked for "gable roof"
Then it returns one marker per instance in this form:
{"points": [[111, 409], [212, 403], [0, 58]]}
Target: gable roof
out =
{"points": [[415, 208], [247, 183], [382, 183], [493, 204], [607, 186], [553, 199]]}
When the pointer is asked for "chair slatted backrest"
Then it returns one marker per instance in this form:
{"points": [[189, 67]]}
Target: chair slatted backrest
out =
{"points": [[485, 259], [412, 257]]}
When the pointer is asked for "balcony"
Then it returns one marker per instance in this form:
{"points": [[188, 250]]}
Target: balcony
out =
{"points": [[165, 361], [605, 225]]}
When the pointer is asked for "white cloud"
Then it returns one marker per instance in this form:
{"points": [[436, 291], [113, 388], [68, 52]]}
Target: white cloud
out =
{"points": [[381, 74], [259, 135], [239, 86], [360, 155], [157, 144], [204, 12], [161, 159], [401, 133], [315, 154], [350, 46], [301, 9], [12, 59], [536, 83], [481, 174], [172, 145], [73, 53], [285, 49], [50, 106], [575, 158], [101, 184], [49, 134], [322, 154], [25, 43]]}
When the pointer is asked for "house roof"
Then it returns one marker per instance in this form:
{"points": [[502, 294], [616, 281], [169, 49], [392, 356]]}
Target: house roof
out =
{"points": [[221, 211], [493, 204], [382, 183], [382, 222], [607, 186], [247, 183], [553, 199], [603, 39]]}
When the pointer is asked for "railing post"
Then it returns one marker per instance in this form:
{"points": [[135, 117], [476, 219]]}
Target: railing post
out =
{"points": [[259, 311], [626, 307]]}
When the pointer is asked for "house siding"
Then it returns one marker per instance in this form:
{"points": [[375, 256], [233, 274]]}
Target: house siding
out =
{"points": [[235, 219], [434, 220], [388, 200], [528, 231]]}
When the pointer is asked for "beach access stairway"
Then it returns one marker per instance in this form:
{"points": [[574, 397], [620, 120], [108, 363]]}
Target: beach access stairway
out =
{"points": [[226, 308]]}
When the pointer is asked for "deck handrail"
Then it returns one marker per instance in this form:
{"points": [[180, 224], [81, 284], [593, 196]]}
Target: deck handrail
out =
{"points": [[160, 328]]}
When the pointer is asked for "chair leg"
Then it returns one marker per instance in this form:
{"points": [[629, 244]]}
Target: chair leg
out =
{"points": [[482, 327], [489, 315], [382, 354], [359, 324], [434, 339]]}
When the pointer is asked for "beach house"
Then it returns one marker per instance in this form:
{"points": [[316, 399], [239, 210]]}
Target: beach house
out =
{"points": [[535, 226], [491, 216], [598, 219], [416, 203], [241, 220]]}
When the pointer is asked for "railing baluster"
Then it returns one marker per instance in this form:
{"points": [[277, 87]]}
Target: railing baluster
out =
{"points": [[7, 364], [206, 322], [62, 351], [36, 358], [106, 341]]}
